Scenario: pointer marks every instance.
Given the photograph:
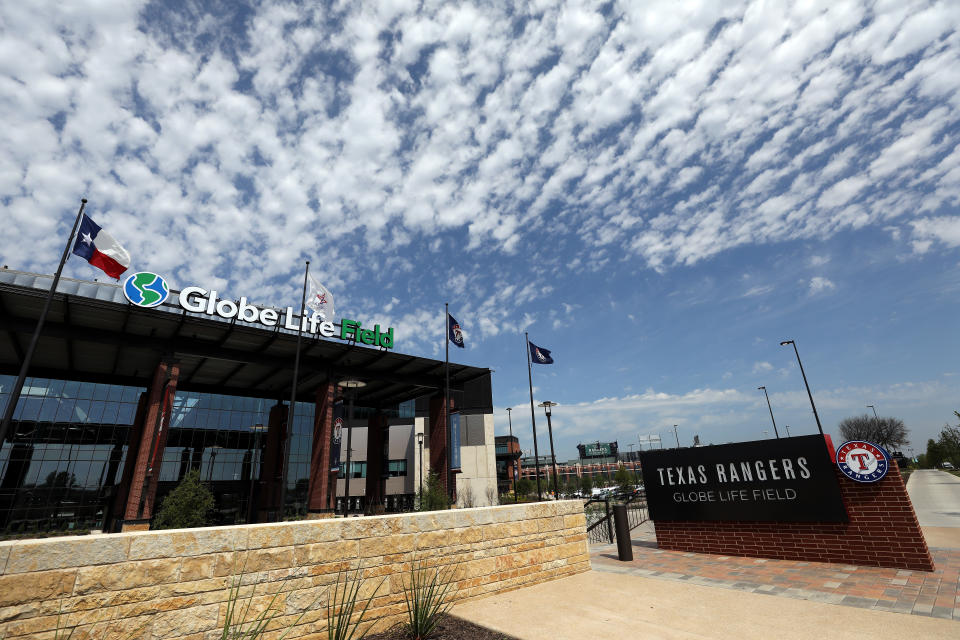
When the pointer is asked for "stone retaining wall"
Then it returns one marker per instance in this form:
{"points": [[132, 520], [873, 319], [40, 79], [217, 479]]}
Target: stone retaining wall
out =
{"points": [[174, 584]]}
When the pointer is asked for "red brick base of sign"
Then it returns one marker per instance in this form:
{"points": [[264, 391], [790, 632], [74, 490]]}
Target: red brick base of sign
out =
{"points": [[882, 532]]}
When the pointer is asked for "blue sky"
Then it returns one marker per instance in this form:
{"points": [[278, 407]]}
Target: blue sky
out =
{"points": [[657, 192]]}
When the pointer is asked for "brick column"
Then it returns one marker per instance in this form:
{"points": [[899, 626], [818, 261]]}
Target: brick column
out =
{"points": [[439, 461], [149, 451], [269, 484], [378, 456], [319, 504]]}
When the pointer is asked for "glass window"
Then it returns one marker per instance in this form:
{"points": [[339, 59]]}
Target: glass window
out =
{"points": [[86, 390], [48, 412], [71, 388], [126, 413], [65, 410], [100, 392], [114, 393]]}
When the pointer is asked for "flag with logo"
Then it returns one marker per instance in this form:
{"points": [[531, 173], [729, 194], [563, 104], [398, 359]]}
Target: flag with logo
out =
{"points": [[101, 249], [319, 299], [539, 355], [453, 331]]}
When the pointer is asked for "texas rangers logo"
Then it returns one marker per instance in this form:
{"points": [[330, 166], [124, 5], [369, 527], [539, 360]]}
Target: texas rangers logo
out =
{"points": [[540, 356], [863, 461], [337, 430]]}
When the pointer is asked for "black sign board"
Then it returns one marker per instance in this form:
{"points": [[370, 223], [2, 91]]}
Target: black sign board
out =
{"points": [[783, 480]]}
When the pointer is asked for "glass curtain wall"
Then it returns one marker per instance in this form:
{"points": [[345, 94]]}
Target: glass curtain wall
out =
{"points": [[225, 438], [63, 457]]}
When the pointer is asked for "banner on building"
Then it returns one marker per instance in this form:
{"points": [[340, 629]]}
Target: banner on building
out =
{"points": [[337, 436], [455, 442]]}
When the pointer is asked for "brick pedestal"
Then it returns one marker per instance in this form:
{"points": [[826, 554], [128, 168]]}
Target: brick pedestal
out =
{"points": [[882, 532]]}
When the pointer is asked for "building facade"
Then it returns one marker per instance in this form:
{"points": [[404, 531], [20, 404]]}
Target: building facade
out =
{"points": [[122, 401]]}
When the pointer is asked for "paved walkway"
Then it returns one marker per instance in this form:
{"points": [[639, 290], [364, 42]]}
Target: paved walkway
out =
{"points": [[936, 497], [934, 594]]}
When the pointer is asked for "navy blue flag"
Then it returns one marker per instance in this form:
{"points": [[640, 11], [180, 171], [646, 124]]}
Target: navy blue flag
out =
{"points": [[453, 331], [539, 355]]}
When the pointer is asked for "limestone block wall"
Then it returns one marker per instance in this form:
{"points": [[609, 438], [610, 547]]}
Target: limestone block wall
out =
{"points": [[174, 584]]}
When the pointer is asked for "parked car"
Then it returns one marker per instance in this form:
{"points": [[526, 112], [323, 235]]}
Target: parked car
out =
{"points": [[947, 465]]}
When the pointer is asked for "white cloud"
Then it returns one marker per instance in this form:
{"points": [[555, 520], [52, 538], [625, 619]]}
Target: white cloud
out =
{"points": [[819, 284], [762, 367], [945, 229], [652, 135]]}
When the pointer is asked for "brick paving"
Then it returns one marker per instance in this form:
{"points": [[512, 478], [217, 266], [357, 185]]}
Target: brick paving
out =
{"points": [[935, 594]]}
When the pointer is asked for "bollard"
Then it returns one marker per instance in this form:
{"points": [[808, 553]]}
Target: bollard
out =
{"points": [[624, 548]]}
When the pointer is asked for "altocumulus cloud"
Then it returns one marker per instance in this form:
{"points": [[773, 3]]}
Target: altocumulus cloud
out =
{"points": [[227, 142]]}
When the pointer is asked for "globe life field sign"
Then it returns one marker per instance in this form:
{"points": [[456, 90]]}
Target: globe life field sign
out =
{"points": [[784, 480], [146, 289]]}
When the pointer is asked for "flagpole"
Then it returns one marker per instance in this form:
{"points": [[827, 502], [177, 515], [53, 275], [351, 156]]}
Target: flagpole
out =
{"points": [[22, 376], [533, 417], [446, 399], [293, 397]]}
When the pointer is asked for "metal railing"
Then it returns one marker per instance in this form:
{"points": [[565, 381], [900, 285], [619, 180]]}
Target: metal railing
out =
{"points": [[600, 518]]}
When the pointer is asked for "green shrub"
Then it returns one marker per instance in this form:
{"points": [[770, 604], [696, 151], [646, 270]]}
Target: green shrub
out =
{"points": [[433, 497], [189, 505]]}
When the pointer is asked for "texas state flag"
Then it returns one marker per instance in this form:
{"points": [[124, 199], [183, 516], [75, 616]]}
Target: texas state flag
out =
{"points": [[101, 249]]}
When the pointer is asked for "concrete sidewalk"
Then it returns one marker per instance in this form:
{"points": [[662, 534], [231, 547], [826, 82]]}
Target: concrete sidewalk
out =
{"points": [[667, 594], [598, 604]]}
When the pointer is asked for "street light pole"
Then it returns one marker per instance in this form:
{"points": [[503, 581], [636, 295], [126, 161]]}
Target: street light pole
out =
{"points": [[806, 384], [420, 443], [633, 461], [676, 436], [787, 427], [351, 386], [547, 408], [513, 463], [771, 411]]}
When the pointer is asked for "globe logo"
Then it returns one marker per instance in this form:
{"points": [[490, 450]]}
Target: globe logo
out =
{"points": [[146, 289]]}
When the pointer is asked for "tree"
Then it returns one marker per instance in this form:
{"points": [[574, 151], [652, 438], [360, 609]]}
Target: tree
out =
{"points": [[624, 480], [189, 505], [889, 433], [433, 497], [935, 454], [586, 486], [525, 486]]}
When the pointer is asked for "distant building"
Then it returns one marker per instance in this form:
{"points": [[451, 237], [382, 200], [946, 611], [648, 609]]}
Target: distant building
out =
{"points": [[508, 462]]}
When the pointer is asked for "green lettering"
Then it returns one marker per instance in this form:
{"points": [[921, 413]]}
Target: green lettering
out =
{"points": [[366, 336], [348, 329]]}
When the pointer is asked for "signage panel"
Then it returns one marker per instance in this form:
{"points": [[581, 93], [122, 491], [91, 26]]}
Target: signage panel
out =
{"points": [[782, 480], [598, 450]]}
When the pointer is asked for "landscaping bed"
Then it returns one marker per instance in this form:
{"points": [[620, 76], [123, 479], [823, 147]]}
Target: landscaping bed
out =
{"points": [[449, 628]]}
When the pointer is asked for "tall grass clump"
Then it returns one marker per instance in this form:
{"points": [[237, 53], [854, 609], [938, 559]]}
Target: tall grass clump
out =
{"points": [[429, 595], [343, 602]]}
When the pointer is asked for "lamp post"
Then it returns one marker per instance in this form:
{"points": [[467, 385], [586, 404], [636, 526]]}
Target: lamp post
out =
{"points": [[787, 427], [513, 463], [771, 411], [351, 386], [420, 444], [676, 436], [805, 383], [633, 461], [547, 408]]}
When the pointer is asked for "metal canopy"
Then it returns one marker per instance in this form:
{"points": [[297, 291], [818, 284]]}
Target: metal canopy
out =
{"points": [[91, 335]]}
